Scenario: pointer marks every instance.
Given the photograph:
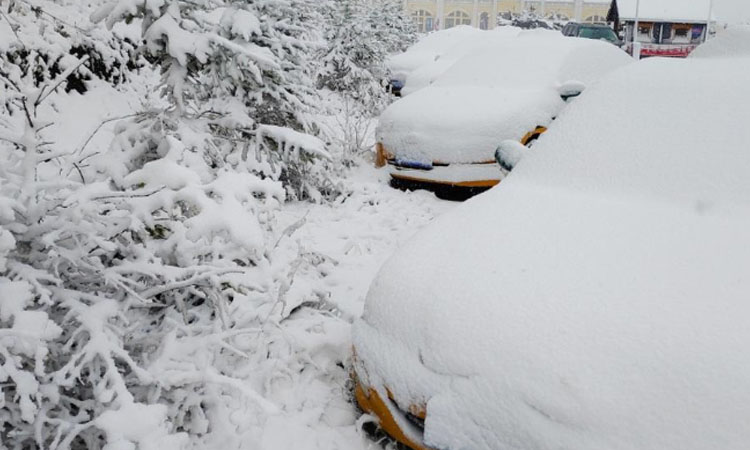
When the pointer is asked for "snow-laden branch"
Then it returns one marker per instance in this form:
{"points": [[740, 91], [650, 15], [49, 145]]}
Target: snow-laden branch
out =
{"points": [[290, 140]]}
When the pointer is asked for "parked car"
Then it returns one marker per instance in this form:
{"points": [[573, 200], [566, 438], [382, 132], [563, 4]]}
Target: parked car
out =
{"points": [[598, 298], [428, 49], [481, 40], [591, 31], [443, 136], [732, 42]]}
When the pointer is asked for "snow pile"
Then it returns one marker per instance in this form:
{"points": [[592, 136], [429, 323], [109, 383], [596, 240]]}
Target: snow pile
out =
{"points": [[492, 95], [734, 41], [596, 298]]}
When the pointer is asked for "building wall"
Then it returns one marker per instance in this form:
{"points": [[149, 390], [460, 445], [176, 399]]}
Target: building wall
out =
{"points": [[474, 11]]}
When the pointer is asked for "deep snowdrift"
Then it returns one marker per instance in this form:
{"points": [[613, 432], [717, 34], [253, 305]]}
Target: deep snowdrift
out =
{"points": [[598, 297]]}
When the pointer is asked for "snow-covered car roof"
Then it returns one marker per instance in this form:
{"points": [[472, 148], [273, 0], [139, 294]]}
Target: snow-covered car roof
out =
{"points": [[597, 298], [431, 46], [734, 41], [470, 42], [491, 95]]}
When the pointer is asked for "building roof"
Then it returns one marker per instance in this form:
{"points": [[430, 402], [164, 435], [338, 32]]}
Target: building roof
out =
{"points": [[665, 10]]}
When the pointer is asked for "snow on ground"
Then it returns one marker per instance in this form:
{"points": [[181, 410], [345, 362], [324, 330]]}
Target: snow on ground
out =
{"points": [[354, 236]]}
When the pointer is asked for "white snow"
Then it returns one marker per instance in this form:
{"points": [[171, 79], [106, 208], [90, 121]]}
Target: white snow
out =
{"points": [[139, 426], [428, 49], [734, 41], [294, 141], [469, 40], [597, 297], [493, 95]]}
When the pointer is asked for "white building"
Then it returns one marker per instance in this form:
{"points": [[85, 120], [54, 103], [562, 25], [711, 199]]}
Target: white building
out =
{"points": [[432, 15], [665, 27]]}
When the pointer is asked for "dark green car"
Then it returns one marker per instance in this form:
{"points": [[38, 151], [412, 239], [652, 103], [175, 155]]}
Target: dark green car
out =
{"points": [[591, 31]]}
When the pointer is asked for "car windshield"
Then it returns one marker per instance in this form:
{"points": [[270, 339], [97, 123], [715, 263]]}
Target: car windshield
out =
{"points": [[597, 33]]}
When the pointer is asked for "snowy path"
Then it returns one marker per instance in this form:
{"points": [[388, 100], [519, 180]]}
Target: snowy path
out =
{"points": [[350, 240]]}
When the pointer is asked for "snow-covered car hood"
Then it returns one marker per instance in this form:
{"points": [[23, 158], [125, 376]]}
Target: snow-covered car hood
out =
{"points": [[496, 93], [598, 297], [463, 124]]}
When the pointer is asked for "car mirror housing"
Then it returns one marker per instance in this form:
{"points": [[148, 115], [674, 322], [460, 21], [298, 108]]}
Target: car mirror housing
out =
{"points": [[570, 89], [509, 153]]}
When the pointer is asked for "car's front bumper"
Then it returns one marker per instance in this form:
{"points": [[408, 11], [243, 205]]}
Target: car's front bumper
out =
{"points": [[403, 426]]}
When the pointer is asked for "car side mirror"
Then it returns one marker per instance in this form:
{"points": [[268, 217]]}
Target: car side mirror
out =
{"points": [[570, 89], [509, 153]]}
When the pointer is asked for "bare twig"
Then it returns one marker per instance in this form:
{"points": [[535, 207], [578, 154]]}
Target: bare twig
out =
{"points": [[104, 122], [12, 28]]}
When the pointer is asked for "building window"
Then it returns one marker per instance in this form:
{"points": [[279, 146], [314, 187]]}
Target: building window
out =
{"points": [[595, 19], [697, 34], [662, 33], [682, 34], [457, 18], [644, 32], [423, 20], [484, 21]]}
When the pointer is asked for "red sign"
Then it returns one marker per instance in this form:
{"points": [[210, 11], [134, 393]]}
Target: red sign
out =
{"points": [[675, 51]]}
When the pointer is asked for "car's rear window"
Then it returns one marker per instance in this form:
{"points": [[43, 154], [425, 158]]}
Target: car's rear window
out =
{"points": [[597, 33]]}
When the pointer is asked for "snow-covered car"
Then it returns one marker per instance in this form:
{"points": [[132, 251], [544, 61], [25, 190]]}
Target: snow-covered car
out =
{"points": [[591, 31], [428, 49], [598, 298], [446, 134], [734, 41], [469, 42]]}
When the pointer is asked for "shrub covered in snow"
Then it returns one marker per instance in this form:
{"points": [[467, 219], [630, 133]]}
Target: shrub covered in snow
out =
{"points": [[45, 39], [361, 34], [531, 20], [231, 68], [144, 286]]}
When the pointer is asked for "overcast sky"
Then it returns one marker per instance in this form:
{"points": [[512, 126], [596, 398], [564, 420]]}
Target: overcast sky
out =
{"points": [[732, 10]]}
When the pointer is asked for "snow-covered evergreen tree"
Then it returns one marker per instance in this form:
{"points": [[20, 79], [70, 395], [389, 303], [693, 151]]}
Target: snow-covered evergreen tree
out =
{"points": [[361, 34], [140, 282], [129, 274], [235, 68], [48, 37]]}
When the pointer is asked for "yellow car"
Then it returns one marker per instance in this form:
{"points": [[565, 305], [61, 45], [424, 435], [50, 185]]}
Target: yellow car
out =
{"points": [[445, 135], [598, 298]]}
